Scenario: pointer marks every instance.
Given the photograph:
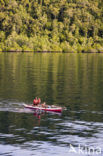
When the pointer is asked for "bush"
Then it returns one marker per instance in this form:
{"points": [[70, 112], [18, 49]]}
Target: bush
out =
{"points": [[90, 50], [0, 50], [66, 47]]}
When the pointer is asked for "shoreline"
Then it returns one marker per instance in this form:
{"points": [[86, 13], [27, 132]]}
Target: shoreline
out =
{"points": [[45, 52]]}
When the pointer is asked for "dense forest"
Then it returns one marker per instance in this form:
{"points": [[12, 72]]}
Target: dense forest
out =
{"points": [[51, 25]]}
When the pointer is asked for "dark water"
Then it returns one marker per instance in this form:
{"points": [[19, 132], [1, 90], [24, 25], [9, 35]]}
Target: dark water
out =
{"points": [[71, 80]]}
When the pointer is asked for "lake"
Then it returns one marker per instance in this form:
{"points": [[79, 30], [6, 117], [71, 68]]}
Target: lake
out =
{"points": [[71, 80]]}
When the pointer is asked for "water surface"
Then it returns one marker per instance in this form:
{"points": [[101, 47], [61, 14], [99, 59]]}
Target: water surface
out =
{"points": [[71, 80]]}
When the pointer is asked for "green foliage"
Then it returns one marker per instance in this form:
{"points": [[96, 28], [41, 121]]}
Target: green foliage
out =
{"points": [[51, 25]]}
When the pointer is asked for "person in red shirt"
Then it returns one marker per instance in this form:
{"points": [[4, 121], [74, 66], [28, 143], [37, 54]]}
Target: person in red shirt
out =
{"points": [[36, 101]]}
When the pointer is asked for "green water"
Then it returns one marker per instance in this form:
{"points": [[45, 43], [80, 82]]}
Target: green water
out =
{"points": [[71, 80]]}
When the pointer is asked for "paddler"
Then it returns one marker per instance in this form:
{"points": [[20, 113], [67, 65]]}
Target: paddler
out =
{"points": [[44, 105], [36, 101]]}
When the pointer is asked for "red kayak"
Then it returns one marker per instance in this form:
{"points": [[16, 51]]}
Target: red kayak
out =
{"points": [[49, 108]]}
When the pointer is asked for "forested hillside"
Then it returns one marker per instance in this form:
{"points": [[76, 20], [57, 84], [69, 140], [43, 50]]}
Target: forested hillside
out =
{"points": [[51, 25]]}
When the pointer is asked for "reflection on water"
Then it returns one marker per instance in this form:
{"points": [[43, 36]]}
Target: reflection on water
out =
{"points": [[70, 80]]}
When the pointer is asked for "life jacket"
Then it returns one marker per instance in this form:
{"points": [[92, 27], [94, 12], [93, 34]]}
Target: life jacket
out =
{"points": [[36, 101]]}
